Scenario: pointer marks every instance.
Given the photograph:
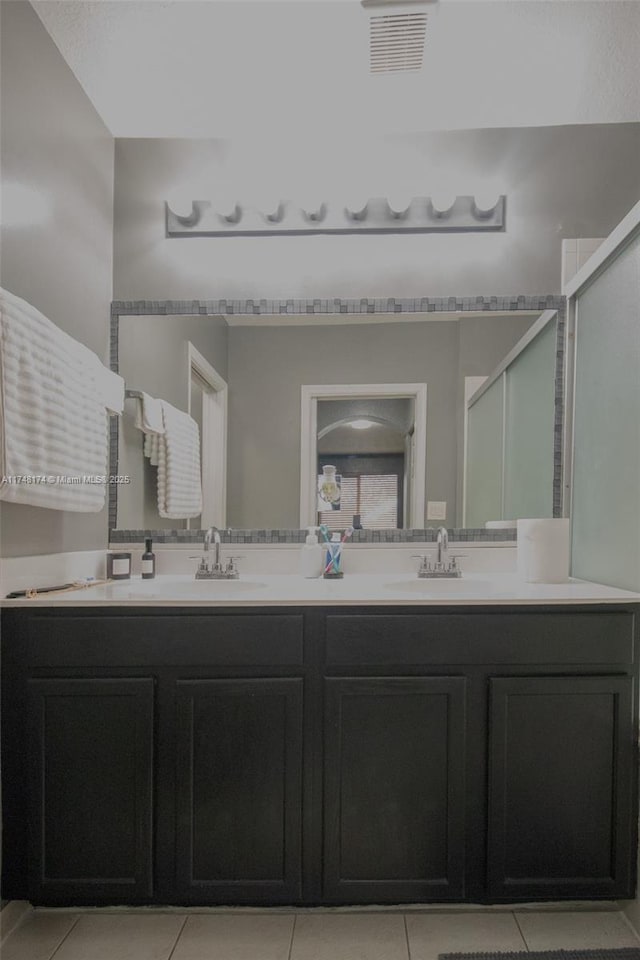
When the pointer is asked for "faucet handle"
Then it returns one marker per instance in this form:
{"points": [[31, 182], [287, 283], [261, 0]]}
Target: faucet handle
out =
{"points": [[231, 569]]}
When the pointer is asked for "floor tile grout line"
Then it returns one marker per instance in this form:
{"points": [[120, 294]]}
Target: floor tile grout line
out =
{"points": [[524, 939], [293, 931], [177, 940], [406, 934], [629, 924], [71, 928]]}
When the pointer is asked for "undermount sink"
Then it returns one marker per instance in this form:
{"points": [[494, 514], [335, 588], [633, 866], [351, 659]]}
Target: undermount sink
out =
{"points": [[208, 586], [440, 585], [193, 589]]}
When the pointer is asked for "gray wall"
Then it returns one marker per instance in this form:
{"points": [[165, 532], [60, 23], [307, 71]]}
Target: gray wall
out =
{"points": [[54, 142], [153, 358], [575, 181], [268, 365]]}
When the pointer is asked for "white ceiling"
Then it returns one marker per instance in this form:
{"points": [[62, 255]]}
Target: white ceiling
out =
{"points": [[268, 68]]}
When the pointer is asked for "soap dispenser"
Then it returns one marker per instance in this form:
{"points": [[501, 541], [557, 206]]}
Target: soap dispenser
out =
{"points": [[311, 555]]}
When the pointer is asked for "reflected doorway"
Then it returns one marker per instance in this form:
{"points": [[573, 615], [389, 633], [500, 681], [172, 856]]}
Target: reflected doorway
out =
{"points": [[374, 435], [366, 441]]}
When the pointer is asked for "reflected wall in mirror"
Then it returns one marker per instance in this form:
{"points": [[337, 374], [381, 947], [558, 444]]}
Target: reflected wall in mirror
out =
{"points": [[266, 362]]}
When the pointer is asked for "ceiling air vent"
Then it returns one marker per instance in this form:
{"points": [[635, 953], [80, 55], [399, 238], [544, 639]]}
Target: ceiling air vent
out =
{"points": [[396, 40]]}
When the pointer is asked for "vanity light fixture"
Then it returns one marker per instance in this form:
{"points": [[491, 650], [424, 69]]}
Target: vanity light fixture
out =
{"points": [[442, 204], [484, 205], [399, 206], [391, 214], [231, 215], [315, 213], [358, 210], [278, 213]]}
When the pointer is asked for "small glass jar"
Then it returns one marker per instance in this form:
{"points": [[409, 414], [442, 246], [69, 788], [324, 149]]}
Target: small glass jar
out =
{"points": [[333, 559], [118, 565]]}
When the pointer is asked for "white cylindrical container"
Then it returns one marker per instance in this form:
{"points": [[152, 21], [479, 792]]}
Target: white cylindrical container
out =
{"points": [[311, 555], [543, 550]]}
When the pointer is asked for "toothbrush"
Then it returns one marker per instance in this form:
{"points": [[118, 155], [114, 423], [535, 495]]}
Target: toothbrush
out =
{"points": [[335, 560]]}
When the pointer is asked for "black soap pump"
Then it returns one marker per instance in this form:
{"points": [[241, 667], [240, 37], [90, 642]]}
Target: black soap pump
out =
{"points": [[148, 565]]}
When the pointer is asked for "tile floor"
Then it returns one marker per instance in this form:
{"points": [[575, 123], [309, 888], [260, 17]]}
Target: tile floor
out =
{"points": [[307, 934]]}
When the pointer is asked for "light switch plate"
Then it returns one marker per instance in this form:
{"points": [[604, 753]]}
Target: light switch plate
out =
{"points": [[436, 510]]}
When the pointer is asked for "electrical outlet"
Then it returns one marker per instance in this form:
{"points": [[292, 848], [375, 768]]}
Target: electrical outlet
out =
{"points": [[436, 510]]}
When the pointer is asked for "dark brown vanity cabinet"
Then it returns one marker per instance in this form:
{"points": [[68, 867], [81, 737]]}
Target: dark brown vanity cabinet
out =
{"points": [[90, 789], [318, 755], [239, 790], [561, 790], [394, 797]]}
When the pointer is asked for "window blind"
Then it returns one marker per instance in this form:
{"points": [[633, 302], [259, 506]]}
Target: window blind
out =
{"points": [[373, 496]]}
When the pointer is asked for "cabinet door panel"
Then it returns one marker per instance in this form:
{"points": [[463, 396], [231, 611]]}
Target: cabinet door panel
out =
{"points": [[560, 790], [90, 798], [394, 789], [239, 776]]}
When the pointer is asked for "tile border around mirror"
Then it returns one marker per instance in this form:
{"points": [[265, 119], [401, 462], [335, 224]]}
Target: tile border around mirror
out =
{"points": [[427, 535], [334, 306]]}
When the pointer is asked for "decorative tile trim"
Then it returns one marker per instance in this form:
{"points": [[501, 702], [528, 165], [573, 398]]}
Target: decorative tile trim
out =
{"points": [[364, 305], [273, 537], [297, 307]]}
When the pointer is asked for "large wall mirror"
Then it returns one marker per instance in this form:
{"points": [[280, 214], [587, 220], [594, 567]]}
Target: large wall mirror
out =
{"points": [[427, 416]]}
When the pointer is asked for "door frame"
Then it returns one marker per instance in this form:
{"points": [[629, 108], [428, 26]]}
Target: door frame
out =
{"points": [[213, 455]]}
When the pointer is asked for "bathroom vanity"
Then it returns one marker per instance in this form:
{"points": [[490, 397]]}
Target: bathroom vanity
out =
{"points": [[232, 753]]}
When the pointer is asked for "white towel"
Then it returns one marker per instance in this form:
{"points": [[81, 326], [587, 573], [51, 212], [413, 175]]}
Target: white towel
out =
{"points": [[151, 447], [53, 395], [177, 454], [111, 386], [149, 414]]}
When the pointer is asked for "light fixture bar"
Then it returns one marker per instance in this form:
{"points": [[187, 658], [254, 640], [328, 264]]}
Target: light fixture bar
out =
{"points": [[377, 216]]}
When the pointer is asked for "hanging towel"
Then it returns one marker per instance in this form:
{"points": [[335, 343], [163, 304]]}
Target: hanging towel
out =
{"points": [[54, 394], [111, 387], [179, 474], [149, 414], [152, 447]]}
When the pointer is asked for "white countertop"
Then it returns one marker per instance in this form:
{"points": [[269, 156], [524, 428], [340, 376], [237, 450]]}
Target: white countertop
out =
{"points": [[255, 590]]}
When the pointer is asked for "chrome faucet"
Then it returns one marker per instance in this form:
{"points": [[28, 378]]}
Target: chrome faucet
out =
{"points": [[216, 572], [444, 565], [215, 533], [443, 546]]}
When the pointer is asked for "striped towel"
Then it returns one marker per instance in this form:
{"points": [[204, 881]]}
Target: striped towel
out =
{"points": [[54, 394], [177, 452]]}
